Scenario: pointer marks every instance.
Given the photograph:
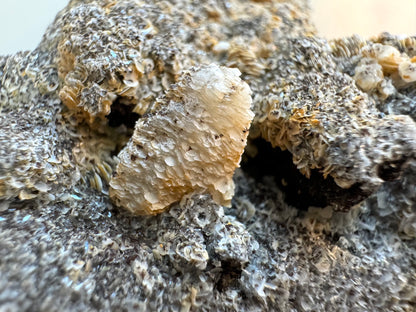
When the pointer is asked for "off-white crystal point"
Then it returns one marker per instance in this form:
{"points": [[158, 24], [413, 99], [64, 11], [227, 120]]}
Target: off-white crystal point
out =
{"points": [[192, 144]]}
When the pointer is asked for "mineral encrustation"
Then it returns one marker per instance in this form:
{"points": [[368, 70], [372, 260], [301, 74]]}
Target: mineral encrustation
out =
{"points": [[193, 144], [323, 216]]}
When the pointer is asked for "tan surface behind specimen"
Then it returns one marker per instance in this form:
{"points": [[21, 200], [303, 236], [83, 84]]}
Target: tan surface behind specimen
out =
{"points": [[366, 18]]}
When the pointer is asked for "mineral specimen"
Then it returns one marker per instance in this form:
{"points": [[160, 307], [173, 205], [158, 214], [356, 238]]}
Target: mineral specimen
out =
{"points": [[108, 75], [318, 113], [193, 144]]}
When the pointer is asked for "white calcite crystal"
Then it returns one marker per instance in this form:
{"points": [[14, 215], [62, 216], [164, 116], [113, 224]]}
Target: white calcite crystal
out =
{"points": [[368, 74], [382, 60], [192, 144], [407, 70]]}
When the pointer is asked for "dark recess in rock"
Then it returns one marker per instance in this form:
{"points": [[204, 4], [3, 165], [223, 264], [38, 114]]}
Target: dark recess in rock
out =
{"points": [[391, 170], [300, 191], [122, 114], [230, 275]]}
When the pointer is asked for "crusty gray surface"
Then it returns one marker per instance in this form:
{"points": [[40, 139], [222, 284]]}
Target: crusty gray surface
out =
{"points": [[65, 247]]}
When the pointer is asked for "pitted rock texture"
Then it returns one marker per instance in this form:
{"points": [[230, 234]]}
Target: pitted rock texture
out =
{"points": [[69, 107]]}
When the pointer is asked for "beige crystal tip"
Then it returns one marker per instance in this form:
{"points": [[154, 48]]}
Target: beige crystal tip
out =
{"points": [[192, 144]]}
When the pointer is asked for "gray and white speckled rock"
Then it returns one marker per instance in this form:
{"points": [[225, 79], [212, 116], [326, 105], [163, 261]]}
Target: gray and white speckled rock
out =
{"points": [[65, 247]]}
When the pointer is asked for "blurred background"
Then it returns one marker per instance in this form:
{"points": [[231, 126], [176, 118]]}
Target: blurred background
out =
{"points": [[340, 18], [23, 22]]}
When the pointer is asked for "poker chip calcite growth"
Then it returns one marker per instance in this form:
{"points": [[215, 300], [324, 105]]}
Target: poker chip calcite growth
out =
{"points": [[192, 144]]}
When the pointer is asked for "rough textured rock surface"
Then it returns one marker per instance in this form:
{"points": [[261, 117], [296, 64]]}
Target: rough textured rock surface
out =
{"points": [[344, 110]]}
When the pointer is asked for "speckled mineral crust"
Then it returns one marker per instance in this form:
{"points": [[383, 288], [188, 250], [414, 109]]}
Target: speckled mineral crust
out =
{"points": [[344, 110], [328, 123], [192, 145]]}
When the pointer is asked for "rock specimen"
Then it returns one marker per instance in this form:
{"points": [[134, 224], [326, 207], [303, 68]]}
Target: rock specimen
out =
{"points": [[300, 95], [108, 74], [327, 123], [193, 144]]}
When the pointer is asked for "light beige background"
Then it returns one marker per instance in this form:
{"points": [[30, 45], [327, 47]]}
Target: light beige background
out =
{"points": [[339, 18], [23, 22]]}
